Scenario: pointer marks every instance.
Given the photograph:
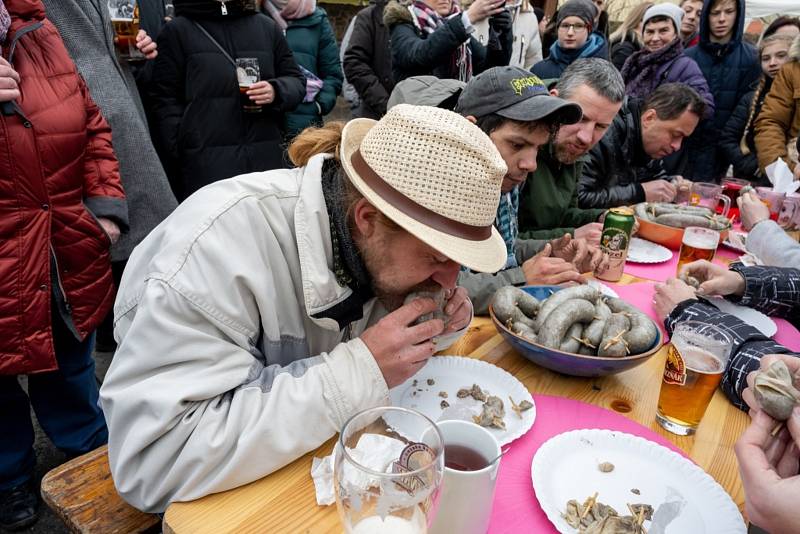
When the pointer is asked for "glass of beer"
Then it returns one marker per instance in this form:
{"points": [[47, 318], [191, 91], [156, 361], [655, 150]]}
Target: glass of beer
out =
{"points": [[388, 469], [697, 244], [247, 73], [126, 28], [710, 196], [696, 358]]}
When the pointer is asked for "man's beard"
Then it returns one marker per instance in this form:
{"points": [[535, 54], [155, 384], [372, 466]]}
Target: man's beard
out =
{"points": [[567, 156]]}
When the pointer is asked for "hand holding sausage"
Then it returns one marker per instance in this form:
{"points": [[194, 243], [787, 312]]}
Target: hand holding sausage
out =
{"points": [[659, 191], [792, 363], [715, 280], [9, 82], [670, 294], [542, 269], [583, 255], [751, 210]]}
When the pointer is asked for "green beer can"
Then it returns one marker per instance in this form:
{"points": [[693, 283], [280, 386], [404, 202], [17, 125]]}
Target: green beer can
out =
{"points": [[615, 240]]}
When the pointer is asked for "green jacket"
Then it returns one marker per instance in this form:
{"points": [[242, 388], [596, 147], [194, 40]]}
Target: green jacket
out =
{"points": [[548, 205], [314, 47]]}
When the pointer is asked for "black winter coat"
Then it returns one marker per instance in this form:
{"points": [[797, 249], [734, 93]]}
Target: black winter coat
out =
{"points": [[195, 96], [415, 54], [732, 70], [618, 164], [745, 165], [368, 61], [622, 50]]}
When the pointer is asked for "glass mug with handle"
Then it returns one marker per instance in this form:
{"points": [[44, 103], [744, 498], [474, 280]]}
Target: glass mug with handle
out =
{"points": [[697, 244], [772, 199], [247, 73], [696, 358], [709, 196]]}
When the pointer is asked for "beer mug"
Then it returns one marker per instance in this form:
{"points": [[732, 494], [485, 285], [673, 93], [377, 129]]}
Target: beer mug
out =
{"points": [[731, 188], [696, 358], [710, 195], [790, 212], [772, 199], [126, 27], [247, 73], [697, 244], [683, 190]]}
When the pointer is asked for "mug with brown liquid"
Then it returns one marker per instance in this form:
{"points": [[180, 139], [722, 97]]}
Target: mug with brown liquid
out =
{"points": [[697, 244]]}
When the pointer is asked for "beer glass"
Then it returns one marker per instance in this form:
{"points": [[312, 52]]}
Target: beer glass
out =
{"points": [[731, 188], [773, 200], [388, 470], [696, 358], [710, 195], [697, 244], [247, 73], [126, 28]]}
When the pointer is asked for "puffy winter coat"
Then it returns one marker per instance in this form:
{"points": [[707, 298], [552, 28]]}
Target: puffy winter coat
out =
{"points": [[741, 129], [731, 70], [58, 174], [368, 61], [195, 93], [618, 164], [779, 120], [314, 47], [622, 50], [559, 59], [415, 54]]}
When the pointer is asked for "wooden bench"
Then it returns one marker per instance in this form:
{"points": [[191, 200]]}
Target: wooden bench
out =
{"points": [[82, 493]]}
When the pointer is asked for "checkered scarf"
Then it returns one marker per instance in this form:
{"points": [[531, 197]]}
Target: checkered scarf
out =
{"points": [[428, 21], [5, 21], [506, 223]]}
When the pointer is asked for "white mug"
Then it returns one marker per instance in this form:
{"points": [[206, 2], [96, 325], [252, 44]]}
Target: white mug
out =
{"points": [[465, 503]]}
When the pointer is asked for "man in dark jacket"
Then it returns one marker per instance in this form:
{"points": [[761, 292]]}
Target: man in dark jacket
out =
{"points": [[731, 68], [576, 39], [368, 61], [549, 204], [625, 167], [195, 94]]}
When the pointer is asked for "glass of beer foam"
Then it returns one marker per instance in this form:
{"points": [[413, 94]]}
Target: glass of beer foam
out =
{"points": [[697, 244], [696, 358], [388, 469]]}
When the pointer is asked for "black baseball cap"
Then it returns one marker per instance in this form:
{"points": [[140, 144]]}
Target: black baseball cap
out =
{"points": [[515, 94]]}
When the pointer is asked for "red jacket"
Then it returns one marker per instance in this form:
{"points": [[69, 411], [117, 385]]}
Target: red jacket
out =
{"points": [[58, 173]]}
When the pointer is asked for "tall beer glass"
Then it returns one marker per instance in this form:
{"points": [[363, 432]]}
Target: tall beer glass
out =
{"points": [[697, 244], [696, 358], [126, 28], [247, 73]]}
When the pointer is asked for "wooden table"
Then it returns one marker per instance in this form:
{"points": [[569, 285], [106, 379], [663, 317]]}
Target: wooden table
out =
{"points": [[285, 500]]}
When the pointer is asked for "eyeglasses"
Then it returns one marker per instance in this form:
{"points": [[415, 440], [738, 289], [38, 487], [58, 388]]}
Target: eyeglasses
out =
{"points": [[575, 26]]}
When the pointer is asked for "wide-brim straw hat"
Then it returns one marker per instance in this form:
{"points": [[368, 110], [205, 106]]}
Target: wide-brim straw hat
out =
{"points": [[436, 175]]}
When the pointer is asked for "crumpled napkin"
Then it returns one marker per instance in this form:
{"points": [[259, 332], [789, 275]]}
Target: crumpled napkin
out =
{"points": [[373, 451], [781, 177]]}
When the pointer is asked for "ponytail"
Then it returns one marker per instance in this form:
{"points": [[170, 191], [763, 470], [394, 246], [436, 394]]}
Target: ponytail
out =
{"points": [[313, 141]]}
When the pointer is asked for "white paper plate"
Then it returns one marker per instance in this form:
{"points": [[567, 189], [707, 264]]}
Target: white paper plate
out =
{"points": [[602, 288], [565, 467], [750, 316], [644, 251], [451, 373]]}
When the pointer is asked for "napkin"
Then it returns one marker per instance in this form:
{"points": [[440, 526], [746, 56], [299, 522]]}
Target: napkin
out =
{"points": [[373, 451], [781, 177]]}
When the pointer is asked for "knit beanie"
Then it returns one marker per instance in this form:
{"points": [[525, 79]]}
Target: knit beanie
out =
{"points": [[664, 10], [583, 9]]}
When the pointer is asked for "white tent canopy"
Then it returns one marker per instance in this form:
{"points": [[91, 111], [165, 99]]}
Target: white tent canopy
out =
{"points": [[755, 9]]}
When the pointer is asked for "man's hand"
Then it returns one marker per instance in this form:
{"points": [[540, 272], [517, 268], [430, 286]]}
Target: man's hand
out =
{"points": [[670, 294], [400, 349], [146, 45], [261, 93], [751, 210], [659, 191], [458, 310], [769, 469], [110, 228], [542, 269], [715, 280], [483, 9], [9, 82], [585, 257], [590, 232]]}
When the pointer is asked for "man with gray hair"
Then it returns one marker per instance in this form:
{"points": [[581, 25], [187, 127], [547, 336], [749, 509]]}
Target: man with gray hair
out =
{"points": [[549, 204]]}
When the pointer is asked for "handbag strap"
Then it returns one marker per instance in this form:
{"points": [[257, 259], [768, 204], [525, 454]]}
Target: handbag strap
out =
{"points": [[224, 52]]}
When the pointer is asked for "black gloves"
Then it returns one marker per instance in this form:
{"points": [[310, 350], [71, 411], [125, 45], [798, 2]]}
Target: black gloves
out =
{"points": [[502, 22]]}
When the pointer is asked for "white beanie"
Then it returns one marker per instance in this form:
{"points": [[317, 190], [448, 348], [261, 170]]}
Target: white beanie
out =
{"points": [[664, 10]]}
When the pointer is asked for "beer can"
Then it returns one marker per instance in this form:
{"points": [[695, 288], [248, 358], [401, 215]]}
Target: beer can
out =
{"points": [[615, 241]]}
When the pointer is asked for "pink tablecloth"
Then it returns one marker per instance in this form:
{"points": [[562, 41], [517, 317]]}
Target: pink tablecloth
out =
{"points": [[661, 271], [515, 506]]}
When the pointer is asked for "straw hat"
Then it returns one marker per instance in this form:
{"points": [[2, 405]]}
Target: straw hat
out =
{"points": [[436, 175]]}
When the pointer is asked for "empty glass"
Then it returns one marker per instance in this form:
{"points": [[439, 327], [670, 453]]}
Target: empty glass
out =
{"points": [[388, 469]]}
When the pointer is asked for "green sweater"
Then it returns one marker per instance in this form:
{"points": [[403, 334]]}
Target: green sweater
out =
{"points": [[548, 205]]}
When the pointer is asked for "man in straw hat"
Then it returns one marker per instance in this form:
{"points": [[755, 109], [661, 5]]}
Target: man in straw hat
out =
{"points": [[268, 308]]}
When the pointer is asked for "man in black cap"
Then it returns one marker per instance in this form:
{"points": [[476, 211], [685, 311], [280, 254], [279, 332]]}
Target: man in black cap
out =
{"points": [[576, 39]]}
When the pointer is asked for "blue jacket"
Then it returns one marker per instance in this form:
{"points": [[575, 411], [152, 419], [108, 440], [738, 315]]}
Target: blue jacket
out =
{"points": [[559, 59], [732, 70]]}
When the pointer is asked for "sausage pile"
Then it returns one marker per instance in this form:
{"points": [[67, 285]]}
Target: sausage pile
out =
{"points": [[579, 320], [679, 216]]}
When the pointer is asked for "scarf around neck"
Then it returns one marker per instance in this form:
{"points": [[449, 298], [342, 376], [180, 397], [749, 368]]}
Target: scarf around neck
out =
{"points": [[590, 47], [639, 72], [283, 10], [5, 22], [428, 21]]}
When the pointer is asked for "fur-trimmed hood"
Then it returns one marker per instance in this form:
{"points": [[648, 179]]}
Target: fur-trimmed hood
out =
{"points": [[396, 13], [794, 50]]}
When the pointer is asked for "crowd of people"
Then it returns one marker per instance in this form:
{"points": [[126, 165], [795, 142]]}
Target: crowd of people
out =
{"points": [[258, 259]]}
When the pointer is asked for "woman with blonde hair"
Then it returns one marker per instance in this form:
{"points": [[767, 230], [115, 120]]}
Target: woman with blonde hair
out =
{"points": [[627, 39]]}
